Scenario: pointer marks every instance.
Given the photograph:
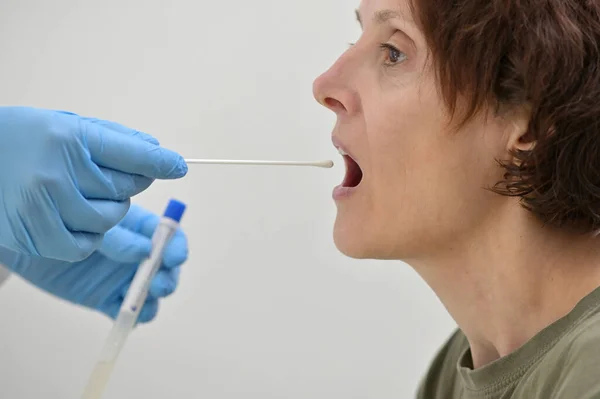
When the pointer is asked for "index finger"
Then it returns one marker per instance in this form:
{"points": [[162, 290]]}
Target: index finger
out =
{"points": [[131, 154], [144, 223]]}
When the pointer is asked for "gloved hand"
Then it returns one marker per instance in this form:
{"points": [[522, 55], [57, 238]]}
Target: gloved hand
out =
{"points": [[66, 180], [101, 281]]}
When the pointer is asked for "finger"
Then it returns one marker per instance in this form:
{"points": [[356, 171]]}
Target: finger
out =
{"points": [[92, 216], [117, 127], [79, 214], [161, 286], [85, 244], [141, 221], [66, 244], [147, 314], [129, 154], [108, 184], [176, 252], [122, 245], [164, 283], [149, 311], [144, 222]]}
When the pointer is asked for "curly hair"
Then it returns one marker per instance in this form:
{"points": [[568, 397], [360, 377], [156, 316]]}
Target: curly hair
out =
{"points": [[543, 54]]}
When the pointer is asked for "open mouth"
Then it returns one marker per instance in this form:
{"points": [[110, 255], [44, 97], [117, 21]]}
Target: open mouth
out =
{"points": [[354, 173]]}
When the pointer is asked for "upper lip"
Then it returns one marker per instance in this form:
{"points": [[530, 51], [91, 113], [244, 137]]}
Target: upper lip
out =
{"points": [[337, 143]]}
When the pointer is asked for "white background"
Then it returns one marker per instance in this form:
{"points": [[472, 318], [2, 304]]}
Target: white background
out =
{"points": [[267, 308]]}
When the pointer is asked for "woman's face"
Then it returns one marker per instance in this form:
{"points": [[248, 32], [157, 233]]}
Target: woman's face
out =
{"points": [[413, 186]]}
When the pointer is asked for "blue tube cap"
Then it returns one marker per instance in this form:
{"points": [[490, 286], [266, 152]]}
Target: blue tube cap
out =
{"points": [[175, 210]]}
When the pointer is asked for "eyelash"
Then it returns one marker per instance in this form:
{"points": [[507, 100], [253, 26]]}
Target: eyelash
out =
{"points": [[388, 47]]}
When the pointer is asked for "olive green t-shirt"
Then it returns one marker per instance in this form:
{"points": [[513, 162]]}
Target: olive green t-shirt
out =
{"points": [[561, 362]]}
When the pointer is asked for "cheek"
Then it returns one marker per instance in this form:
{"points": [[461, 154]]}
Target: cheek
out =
{"points": [[406, 145], [427, 183]]}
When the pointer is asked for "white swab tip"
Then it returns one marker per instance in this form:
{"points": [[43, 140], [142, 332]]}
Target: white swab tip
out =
{"points": [[325, 164]]}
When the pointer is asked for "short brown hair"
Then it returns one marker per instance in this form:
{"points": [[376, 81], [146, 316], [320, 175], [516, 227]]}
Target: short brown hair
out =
{"points": [[544, 54]]}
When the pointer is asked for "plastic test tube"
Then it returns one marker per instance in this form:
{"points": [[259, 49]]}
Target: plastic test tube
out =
{"points": [[134, 300]]}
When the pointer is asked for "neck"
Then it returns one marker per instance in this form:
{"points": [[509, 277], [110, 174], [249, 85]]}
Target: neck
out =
{"points": [[511, 280]]}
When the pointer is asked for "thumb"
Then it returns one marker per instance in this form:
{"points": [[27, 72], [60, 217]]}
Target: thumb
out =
{"points": [[125, 246]]}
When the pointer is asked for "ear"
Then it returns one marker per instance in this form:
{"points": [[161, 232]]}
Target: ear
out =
{"points": [[519, 136]]}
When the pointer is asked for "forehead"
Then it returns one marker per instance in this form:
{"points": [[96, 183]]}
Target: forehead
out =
{"points": [[378, 9]]}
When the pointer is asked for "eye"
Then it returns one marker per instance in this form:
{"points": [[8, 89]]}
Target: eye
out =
{"points": [[394, 56]]}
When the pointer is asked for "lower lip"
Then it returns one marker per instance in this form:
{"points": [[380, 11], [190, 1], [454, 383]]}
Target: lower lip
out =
{"points": [[341, 193]]}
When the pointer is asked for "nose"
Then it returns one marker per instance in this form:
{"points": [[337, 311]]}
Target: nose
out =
{"points": [[335, 88]]}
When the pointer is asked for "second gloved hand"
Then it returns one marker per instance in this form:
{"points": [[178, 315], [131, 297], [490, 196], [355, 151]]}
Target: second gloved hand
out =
{"points": [[101, 281]]}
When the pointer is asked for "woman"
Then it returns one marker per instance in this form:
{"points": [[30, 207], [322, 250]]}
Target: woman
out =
{"points": [[471, 134]]}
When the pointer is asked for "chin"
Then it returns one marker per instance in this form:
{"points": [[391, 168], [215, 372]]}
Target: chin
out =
{"points": [[355, 242], [349, 249], [358, 241]]}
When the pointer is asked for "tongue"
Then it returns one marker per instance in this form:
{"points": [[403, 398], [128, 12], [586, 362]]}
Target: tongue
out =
{"points": [[353, 173]]}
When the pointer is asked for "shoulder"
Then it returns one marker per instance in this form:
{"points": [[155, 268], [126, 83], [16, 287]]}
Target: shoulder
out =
{"points": [[443, 373], [581, 346], [572, 367]]}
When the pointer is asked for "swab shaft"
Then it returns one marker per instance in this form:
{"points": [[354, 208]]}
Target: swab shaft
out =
{"points": [[320, 164]]}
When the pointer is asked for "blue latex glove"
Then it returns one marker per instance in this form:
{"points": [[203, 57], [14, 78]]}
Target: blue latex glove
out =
{"points": [[66, 180], [101, 281]]}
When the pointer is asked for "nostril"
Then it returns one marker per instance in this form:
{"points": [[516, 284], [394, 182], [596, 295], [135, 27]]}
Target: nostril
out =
{"points": [[334, 104]]}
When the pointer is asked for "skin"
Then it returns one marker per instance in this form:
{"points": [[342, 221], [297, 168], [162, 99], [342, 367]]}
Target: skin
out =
{"points": [[423, 196]]}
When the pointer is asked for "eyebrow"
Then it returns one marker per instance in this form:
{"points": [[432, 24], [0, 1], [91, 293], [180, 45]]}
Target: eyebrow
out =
{"points": [[381, 16]]}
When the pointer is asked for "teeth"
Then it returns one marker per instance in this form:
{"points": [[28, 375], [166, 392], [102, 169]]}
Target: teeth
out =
{"points": [[342, 153]]}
